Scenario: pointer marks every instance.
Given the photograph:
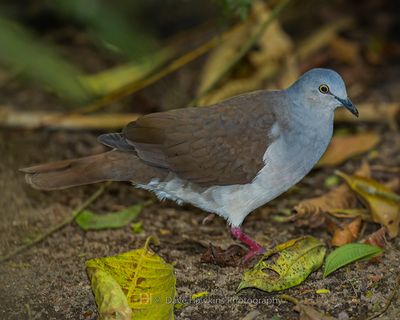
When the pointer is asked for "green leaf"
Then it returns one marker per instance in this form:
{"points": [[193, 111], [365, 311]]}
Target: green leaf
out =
{"points": [[88, 220], [133, 285], [286, 265], [349, 253]]}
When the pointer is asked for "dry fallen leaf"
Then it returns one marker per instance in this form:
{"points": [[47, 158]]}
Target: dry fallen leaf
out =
{"points": [[309, 313], [380, 200], [348, 233], [342, 148], [232, 256], [309, 212], [306, 312], [377, 238]]}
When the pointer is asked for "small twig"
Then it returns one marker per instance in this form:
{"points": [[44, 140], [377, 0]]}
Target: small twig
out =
{"points": [[28, 311], [10, 117], [58, 226], [246, 47], [389, 301]]}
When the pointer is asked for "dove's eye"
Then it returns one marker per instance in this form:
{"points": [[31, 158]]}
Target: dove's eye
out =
{"points": [[323, 88]]}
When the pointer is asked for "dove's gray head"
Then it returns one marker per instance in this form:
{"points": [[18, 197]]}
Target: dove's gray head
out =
{"points": [[321, 90]]}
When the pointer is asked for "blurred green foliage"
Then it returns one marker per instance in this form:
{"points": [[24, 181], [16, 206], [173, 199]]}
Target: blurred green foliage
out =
{"points": [[115, 27], [20, 51]]}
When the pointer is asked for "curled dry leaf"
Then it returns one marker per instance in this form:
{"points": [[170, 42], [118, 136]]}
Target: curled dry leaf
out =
{"points": [[232, 256], [310, 212], [342, 148], [110, 298], [380, 200], [139, 280], [377, 238], [348, 233]]}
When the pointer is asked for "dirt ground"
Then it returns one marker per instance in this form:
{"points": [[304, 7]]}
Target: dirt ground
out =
{"points": [[49, 280]]}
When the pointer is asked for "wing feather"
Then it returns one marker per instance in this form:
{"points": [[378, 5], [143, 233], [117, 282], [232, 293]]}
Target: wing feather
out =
{"points": [[222, 144]]}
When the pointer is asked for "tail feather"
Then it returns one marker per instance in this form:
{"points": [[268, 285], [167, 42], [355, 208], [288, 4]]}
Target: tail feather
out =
{"points": [[109, 166]]}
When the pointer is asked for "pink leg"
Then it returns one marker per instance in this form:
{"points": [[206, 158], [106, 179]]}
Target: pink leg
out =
{"points": [[255, 248]]}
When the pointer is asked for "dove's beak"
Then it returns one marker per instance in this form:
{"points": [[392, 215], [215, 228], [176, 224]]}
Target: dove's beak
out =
{"points": [[348, 104]]}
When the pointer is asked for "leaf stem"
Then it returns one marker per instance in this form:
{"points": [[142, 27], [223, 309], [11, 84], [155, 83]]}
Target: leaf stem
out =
{"points": [[389, 301]]}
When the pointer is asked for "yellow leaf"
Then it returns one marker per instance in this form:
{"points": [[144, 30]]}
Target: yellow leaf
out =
{"points": [[110, 80], [137, 280], [381, 201], [110, 299], [342, 148], [322, 291], [200, 295], [286, 265]]}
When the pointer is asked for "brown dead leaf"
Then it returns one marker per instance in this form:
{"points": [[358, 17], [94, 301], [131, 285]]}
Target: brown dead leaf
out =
{"points": [[380, 200], [230, 257], [306, 312], [377, 238], [342, 148], [310, 212], [347, 234]]}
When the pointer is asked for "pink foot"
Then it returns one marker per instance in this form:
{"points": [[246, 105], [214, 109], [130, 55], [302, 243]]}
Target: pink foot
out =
{"points": [[255, 249]]}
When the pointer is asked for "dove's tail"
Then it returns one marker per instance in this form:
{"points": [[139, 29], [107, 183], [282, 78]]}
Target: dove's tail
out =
{"points": [[109, 166]]}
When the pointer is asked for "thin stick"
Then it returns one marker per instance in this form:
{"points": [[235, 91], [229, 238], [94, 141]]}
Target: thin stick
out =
{"points": [[389, 301], [60, 120], [58, 226]]}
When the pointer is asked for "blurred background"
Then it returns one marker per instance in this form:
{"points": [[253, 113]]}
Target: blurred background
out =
{"points": [[141, 56]]}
